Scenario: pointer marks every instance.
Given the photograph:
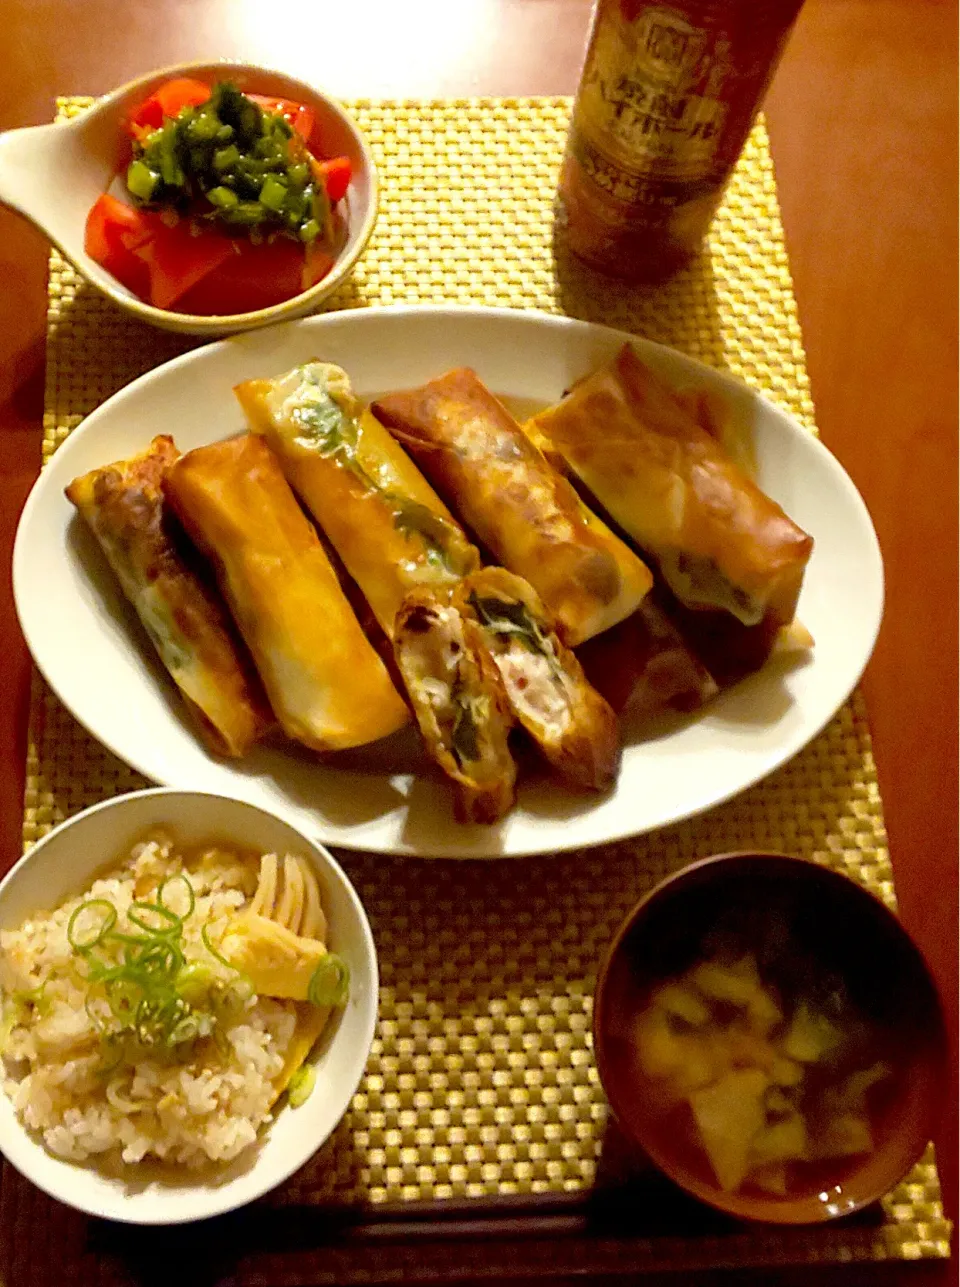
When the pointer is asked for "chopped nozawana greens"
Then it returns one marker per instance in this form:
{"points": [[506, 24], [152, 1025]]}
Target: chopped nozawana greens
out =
{"points": [[509, 617], [231, 162]]}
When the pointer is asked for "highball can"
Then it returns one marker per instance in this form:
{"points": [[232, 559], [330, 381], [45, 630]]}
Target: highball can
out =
{"points": [[666, 101]]}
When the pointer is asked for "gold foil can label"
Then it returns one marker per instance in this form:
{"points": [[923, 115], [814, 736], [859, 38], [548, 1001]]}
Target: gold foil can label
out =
{"points": [[648, 103]]}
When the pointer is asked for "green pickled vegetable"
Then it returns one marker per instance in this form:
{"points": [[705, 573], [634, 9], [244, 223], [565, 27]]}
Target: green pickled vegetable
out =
{"points": [[222, 197], [273, 194], [142, 181], [229, 162]]}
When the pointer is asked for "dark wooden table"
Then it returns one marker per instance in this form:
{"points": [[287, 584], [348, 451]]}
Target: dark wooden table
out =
{"points": [[863, 124]]}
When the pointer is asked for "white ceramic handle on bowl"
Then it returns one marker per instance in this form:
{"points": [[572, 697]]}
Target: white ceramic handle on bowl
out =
{"points": [[53, 174]]}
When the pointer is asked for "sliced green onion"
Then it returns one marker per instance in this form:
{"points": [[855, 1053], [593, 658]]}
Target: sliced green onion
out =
{"points": [[301, 1085], [13, 1014], [172, 923], [217, 956], [146, 996], [94, 1018], [329, 982], [184, 880], [242, 988], [105, 926], [194, 981], [109, 1042], [185, 1029]]}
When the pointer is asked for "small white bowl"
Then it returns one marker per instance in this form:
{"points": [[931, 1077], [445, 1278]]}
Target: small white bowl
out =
{"points": [[63, 864], [53, 174]]}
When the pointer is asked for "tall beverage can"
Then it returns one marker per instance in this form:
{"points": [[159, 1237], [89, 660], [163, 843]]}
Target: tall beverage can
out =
{"points": [[668, 95]]}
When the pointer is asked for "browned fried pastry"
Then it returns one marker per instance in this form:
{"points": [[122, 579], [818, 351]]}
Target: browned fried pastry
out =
{"points": [[457, 696], [385, 521], [574, 727], [122, 503], [643, 666], [327, 686], [719, 542], [731, 650], [506, 492]]}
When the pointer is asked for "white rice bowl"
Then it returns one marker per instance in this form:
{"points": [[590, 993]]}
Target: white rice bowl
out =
{"points": [[162, 1140], [205, 1108]]}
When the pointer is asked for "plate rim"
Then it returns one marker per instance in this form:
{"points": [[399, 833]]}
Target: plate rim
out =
{"points": [[369, 315]]}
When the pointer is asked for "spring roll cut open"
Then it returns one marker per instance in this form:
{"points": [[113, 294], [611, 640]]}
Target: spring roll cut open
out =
{"points": [[505, 491], [570, 722], [458, 698]]}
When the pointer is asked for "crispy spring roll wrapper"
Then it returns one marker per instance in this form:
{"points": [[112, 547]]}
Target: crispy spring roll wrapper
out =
{"points": [[574, 727], [530, 518], [327, 686], [715, 414], [644, 666], [123, 505], [719, 542], [458, 698], [386, 522], [730, 650]]}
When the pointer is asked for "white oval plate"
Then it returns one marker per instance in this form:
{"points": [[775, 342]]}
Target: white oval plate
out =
{"points": [[91, 650]]}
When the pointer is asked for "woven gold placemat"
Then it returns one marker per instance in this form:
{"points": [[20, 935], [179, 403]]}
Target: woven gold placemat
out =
{"points": [[481, 1079]]}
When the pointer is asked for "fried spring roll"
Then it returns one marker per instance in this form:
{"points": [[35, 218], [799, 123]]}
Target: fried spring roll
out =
{"points": [[389, 527], [123, 505], [731, 650], [571, 723], [644, 666], [458, 699], [530, 518], [719, 542], [327, 686]]}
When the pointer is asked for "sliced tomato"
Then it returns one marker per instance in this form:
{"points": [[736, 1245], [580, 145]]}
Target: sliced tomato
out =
{"points": [[168, 99], [336, 174], [256, 277], [177, 258], [297, 115], [113, 232]]}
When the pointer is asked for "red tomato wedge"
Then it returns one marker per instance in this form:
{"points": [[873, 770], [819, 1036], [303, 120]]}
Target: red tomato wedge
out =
{"points": [[189, 266], [177, 258], [257, 277], [168, 99], [113, 232], [336, 175], [297, 115]]}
